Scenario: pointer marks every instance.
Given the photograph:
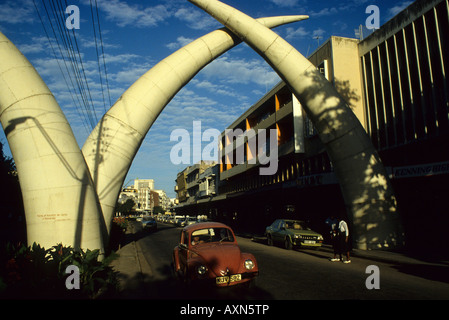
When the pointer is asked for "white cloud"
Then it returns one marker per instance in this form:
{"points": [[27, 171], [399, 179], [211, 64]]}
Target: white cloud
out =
{"points": [[17, 12], [35, 47], [214, 88], [120, 58], [132, 15], [196, 19], [91, 43], [324, 12], [300, 32], [241, 71], [285, 3], [130, 75], [398, 8], [180, 42], [318, 32]]}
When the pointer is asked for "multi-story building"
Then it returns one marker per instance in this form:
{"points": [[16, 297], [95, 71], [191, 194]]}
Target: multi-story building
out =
{"points": [[208, 182], [145, 196], [155, 200], [163, 199], [395, 81], [144, 184], [190, 183], [180, 188], [144, 187]]}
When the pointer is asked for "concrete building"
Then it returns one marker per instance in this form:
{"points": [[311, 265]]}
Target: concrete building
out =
{"points": [[144, 184], [145, 196], [395, 81], [208, 182], [155, 200], [163, 199], [191, 183], [180, 188], [404, 66]]}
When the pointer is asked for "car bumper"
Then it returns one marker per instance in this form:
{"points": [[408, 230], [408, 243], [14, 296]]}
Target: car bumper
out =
{"points": [[307, 243], [227, 281]]}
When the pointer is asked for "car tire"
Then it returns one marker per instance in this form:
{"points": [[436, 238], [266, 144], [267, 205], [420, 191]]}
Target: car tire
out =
{"points": [[288, 244]]}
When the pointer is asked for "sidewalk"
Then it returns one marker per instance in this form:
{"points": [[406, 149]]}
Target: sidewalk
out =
{"points": [[133, 270]]}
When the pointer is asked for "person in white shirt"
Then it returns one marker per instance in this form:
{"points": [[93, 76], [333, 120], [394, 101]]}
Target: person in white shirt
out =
{"points": [[341, 233]]}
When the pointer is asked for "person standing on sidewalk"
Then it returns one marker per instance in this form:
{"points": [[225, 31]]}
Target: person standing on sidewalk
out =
{"points": [[341, 241]]}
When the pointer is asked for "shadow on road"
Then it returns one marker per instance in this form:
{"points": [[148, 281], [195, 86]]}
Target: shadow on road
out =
{"points": [[143, 286], [161, 283], [429, 272], [426, 271]]}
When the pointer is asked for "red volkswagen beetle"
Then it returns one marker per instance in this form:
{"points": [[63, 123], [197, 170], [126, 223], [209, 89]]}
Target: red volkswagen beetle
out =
{"points": [[209, 251]]}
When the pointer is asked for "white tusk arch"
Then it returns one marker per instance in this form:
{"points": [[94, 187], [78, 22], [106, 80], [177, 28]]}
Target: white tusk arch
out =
{"points": [[58, 195], [365, 185], [112, 145]]}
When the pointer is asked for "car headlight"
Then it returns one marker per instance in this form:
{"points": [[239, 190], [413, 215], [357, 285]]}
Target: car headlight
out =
{"points": [[201, 270], [320, 238], [249, 264]]}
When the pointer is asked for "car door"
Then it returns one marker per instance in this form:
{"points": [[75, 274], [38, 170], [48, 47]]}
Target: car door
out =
{"points": [[277, 234], [183, 250]]}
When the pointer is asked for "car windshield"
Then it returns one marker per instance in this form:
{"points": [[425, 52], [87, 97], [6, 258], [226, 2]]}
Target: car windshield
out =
{"points": [[211, 235], [296, 225]]}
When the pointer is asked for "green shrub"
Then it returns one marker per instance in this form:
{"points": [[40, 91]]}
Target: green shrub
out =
{"points": [[36, 272]]}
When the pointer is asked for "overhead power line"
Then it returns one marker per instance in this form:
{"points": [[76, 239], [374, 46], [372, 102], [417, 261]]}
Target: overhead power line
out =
{"points": [[102, 51], [71, 59], [71, 88]]}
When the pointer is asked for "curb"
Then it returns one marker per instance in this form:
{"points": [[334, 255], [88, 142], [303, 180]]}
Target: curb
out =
{"points": [[144, 266]]}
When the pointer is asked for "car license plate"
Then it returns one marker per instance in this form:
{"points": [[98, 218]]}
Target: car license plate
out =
{"points": [[227, 279], [309, 241]]}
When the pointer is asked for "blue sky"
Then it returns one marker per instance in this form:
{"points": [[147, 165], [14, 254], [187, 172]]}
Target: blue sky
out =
{"points": [[138, 34]]}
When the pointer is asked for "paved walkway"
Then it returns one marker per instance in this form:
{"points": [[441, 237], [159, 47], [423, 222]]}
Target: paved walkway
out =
{"points": [[134, 270]]}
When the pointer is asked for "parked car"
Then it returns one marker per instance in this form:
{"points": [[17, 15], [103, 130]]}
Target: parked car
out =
{"points": [[208, 253], [149, 223], [291, 233], [188, 221], [176, 220]]}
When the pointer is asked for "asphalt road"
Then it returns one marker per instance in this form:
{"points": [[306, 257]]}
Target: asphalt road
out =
{"points": [[296, 275]]}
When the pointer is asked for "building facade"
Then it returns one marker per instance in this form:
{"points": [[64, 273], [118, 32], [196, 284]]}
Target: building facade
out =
{"points": [[196, 182], [144, 195], [395, 81]]}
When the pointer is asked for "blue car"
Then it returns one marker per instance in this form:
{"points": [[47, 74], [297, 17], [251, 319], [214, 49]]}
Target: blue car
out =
{"points": [[149, 223]]}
